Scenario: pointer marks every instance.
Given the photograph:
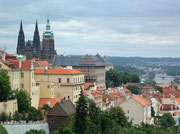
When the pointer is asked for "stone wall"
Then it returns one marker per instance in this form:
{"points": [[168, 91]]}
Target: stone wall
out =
{"points": [[22, 128]]}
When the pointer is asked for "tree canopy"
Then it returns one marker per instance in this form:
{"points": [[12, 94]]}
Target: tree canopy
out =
{"points": [[81, 114], [23, 100], [133, 88], [5, 88], [115, 79]]}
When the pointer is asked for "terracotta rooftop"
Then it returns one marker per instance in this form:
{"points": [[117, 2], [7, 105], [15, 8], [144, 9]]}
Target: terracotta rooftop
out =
{"points": [[42, 63], [87, 85], [52, 101], [57, 71], [101, 89], [177, 99], [141, 100], [126, 90]]}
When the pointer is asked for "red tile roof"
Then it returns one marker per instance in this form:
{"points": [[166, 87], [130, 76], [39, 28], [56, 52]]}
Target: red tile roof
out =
{"points": [[52, 101], [57, 71], [116, 94], [177, 99], [95, 93], [101, 89], [85, 93], [141, 100], [42, 63], [87, 85], [126, 90], [175, 113]]}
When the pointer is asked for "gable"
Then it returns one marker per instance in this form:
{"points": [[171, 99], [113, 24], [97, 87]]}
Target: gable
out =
{"points": [[57, 110]]}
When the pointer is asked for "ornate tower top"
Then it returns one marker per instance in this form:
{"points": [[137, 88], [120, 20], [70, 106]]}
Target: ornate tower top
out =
{"points": [[21, 40], [48, 32]]}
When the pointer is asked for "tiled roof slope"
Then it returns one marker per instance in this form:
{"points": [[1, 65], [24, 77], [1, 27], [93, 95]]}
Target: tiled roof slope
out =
{"points": [[79, 60], [57, 71], [141, 100], [52, 101]]}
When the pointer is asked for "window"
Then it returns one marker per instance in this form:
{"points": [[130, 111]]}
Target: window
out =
{"points": [[68, 97], [67, 80], [128, 111], [32, 75], [22, 85], [59, 80], [48, 86], [64, 98], [22, 75], [52, 120], [32, 84]]}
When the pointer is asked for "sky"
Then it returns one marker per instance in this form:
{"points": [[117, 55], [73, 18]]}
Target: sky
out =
{"points": [[126, 28]]}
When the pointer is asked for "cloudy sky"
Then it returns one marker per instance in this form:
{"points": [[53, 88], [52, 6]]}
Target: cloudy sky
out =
{"points": [[146, 28]]}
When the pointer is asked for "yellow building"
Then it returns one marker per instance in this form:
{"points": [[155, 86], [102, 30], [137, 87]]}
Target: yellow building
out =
{"points": [[67, 82], [23, 78]]}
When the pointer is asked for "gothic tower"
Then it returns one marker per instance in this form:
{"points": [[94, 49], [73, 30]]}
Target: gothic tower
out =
{"points": [[36, 43], [48, 51], [21, 41]]}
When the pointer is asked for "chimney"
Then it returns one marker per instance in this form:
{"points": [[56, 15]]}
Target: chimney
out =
{"points": [[3, 54], [32, 66], [46, 68], [20, 63]]}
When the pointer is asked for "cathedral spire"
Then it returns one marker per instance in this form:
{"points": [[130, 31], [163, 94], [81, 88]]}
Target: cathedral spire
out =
{"points": [[36, 42], [36, 28], [21, 40], [21, 27]]}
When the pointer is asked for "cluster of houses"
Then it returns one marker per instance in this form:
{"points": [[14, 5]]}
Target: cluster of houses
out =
{"points": [[59, 87], [137, 107]]}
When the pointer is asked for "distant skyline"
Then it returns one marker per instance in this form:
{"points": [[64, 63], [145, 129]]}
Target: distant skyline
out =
{"points": [[125, 28]]}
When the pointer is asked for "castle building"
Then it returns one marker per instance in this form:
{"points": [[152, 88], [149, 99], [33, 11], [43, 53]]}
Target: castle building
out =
{"points": [[44, 50]]}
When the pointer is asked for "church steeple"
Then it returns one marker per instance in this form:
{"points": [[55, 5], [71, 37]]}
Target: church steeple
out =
{"points": [[48, 32], [36, 41], [21, 40]]}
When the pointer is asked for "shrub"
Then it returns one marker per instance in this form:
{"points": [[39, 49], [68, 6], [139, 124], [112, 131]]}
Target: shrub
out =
{"points": [[3, 117], [3, 130]]}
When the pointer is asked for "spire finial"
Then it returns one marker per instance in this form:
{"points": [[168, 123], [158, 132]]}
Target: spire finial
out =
{"points": [[36, 27], [21, 27]]}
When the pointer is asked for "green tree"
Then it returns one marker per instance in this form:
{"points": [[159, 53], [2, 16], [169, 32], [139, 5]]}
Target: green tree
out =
{"points": [[134, 89], [152, 112], [135, 78], [23, 100], [150, 82], [167, 120], [4, 85], [81, 114], [65, 130], [3, 117], [10, 116], [118, 115], [94, 112], [33, 131], [106, 123], [17, 116], [158, 88], [46, 108], [3, 130]]}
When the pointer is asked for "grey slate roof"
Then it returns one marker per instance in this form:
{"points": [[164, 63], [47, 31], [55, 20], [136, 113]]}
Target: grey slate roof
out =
{"points": [[81, 60], [63, 108]]}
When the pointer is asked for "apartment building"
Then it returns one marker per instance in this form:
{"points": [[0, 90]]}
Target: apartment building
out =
{"points": [[138, 110], [67, 83]]}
